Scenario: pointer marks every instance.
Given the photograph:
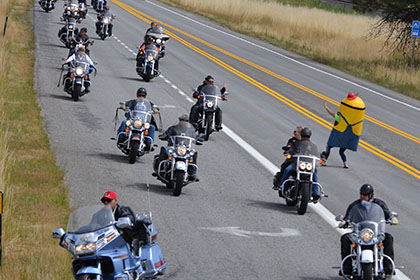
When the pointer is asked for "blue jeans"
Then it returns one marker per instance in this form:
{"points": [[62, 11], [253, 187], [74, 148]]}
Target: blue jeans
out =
{"points": [[151, 130], [326, 154], [286, 175]]}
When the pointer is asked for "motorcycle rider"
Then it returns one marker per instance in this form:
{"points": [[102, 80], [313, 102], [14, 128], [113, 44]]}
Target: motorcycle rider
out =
{"points": [[150, 44], [138, 104], [129, 234], [182, 128], [152, 26], [296, 137], [302, 147], [71, 11], [105, 13], [361, 207], [80, 56], [196, 109], [81, 38]]}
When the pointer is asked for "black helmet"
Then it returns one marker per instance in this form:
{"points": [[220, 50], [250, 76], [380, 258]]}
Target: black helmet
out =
{"points": [[141, 90], [305, 132], [184, 118], [366, 189]]}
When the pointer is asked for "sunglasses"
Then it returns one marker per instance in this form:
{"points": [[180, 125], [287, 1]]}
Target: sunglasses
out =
{"points": [[106, 200], [142, 95]]}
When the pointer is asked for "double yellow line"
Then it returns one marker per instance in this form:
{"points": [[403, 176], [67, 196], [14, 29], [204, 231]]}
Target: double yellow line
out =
{"points": [[406, 167]]}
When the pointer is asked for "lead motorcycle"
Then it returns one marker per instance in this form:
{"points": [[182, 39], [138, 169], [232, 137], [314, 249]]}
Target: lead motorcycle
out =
{"points": [[71, 31], [173, 171], [47, 5], [367, 251], [132, 141], [210, 102], [146, 60], [77, 79], [298, 190], [99, 250]]}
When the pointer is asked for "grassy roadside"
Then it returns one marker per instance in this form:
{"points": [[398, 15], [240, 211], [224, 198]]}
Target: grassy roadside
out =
{"points": [[35, 195], [339, 40]]}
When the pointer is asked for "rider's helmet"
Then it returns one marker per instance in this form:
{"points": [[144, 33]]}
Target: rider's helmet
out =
{"points": [[83, 29], [184, 118], [306, 132], [141, 90], [366, 189]]}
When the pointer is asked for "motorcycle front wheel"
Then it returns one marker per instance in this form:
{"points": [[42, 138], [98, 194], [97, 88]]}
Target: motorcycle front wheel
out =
{"points": [[132, 155], [77, 89], [209, 122], [178, 182], [367, 273], [304, 198], [148, 74]]}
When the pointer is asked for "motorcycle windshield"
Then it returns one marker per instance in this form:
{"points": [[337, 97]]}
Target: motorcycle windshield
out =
{"points": [[90, 218], [210, 90], [71, 21], [106, 19], [181, 140], [151, 51], [368, 216], [82, 64]]}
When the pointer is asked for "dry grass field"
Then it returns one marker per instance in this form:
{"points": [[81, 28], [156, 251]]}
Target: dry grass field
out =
{"points": [[35, 197], [337, 39]]}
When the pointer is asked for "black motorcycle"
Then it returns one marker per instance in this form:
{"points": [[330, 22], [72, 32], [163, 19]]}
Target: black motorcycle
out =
{"points": [[104, 30], [209, 102], [146, 61], [71, 31], [77, 79], [47, 5]]}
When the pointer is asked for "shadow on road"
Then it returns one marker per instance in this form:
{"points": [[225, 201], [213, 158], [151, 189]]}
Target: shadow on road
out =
{"points": [[320, 278], [278, 206], [61, 97], [132, 79], [155, 188], [111, 156]]}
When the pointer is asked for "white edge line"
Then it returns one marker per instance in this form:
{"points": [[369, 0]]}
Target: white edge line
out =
{"points": [[272, 168], [284, 56]]}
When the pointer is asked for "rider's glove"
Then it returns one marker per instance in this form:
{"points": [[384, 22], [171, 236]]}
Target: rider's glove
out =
{"points": [[394, 221], [342, 224]]}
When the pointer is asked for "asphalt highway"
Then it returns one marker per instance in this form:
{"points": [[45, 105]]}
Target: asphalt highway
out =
{"points": [[230, 225]]}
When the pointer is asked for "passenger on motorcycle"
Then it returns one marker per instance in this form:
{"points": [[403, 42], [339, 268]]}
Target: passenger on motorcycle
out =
{"points": [[129, 234], [105, 13], [81, 38], [296, 137], [79, 56], [152, 26], [182, 128], [138, 104], [150, 44], [302, 147], [196, 109], [358, 210]]}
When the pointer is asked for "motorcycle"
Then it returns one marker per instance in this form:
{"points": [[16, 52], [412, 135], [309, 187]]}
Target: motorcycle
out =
{"points": [[134, 137], [100, 251], [104, 30], [173, 171], [83, 10], [71, 31], [146, 60], [77, 79], [74, 44], [210, 103], [160, 40], [47, 5], [298, 190], [98, 5], [367, 251]]}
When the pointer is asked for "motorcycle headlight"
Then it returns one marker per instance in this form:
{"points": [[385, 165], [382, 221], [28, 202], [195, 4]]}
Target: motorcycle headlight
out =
{"points": [[158, 41], [366, 235], [147, 125], [210, 104], [128, 123], [79, 71], [85, 248], [309, 166], [70, 26], [106, 21], [137, 123], [181, 150], [302, 166], [150, 57]]}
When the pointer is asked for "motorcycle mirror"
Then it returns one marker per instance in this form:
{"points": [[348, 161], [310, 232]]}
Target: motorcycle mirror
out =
{"points": [[122, 106], [194, 89], [58, 233], [123, 222], [339, 218], [95, 62], [226, 93], [394, 214]]}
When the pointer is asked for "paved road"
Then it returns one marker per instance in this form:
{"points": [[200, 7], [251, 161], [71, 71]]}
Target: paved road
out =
{"points": [[235, 189]]}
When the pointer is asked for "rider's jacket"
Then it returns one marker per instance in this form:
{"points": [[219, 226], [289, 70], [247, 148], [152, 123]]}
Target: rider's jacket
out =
{"points": [[77, 57], [355, 204], [303, 147], [125, 211], [200, 87]]}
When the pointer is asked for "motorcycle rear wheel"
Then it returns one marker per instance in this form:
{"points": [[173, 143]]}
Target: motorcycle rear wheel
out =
{"points": [[367, 273], [77, 89], [302, 204], [132, 155], [178, 182]]}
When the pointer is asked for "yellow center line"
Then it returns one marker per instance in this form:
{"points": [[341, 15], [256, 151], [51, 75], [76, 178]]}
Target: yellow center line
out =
{"points": [[406, 167], [273, 74]]}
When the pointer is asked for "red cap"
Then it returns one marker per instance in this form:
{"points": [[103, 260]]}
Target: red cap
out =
{"points": [[109, 195], [351, 96]]}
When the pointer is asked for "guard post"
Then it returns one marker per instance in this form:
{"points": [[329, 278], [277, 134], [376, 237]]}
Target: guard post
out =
{"points": [[415, 32]]}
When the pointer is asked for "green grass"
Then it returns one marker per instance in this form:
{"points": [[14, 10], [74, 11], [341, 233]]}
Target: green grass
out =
{"points": [[35, 195], [316, 4]]}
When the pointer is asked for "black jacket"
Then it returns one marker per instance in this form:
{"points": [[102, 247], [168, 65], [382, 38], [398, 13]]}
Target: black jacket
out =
{"points": [[187, 130], [303, 147], [378, 201], [197, 92], [289, 144], [125, 211]]}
